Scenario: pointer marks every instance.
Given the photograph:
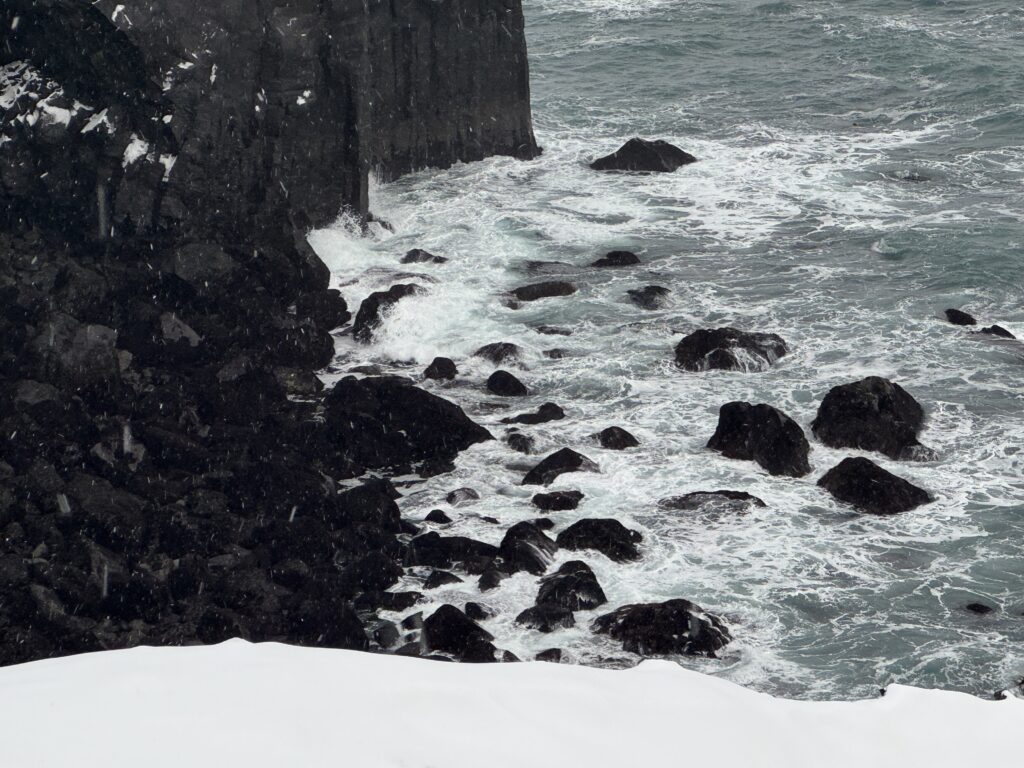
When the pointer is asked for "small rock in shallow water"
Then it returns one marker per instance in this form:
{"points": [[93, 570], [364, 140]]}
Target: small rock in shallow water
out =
{"points": [[545, 290], [551, 654], [617, 259], [450, 630], [655, 629], [649, 297], [526, 547], [375, 306], [606, 535], [616, 439], [547, 412], [439, 578], [559, 462], [504, 384], [519, 442], [979, 608], [478, 612], [643, 155], [546, 618], [997, 330], [738, 500], [461, 496], [552, 330], [959, 317], [573, 586], [729, 349], [437, 516], [419, 256], [440, 369], [557, 501], [763, 434], [869, 488], [499, 352]]}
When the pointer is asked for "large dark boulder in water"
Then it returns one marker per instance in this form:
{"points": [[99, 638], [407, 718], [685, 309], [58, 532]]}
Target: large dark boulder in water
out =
{"points": [[729, 349], [439, 551], [642, 155], [959, 317], [504, 384], [547, 412], [650, 297], [559, 462], [616, 439], [573, 586], [499, 352], [546, 290], [375, 306], [387, 422], [763, 434], [872, 414], [655, 629], [869, 488], [557, 501], [441, 369], [718, 500], [606, 535], [617, 259], [546, 617], [451, 631], [526, 547]]}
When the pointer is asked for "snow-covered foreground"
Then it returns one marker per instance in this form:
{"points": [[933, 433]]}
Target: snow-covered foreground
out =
{"points": [[279, 706]]}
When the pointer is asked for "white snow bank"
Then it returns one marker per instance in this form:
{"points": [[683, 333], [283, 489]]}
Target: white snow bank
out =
{"points": [[272, 705]]}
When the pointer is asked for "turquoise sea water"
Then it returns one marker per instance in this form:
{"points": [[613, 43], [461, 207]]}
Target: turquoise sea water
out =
{"points": [[861, 169]]}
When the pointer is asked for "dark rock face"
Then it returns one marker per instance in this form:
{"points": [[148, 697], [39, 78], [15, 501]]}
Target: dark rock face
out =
{"points": [[439, 578], [650, 297], [451, 631], [725, 500], [499, 352], [617, 259], [959, 317], [763, 434], [526, 548], [872, 414], [997, 330], [551, 654], [557, 501], [441, 369], [559, 462], [865, 485], [439, 551], [616, 439], [729, 349], [546, 290], [385, 422], [643, 155], [437, 516], [547, 412], [655, 629], [546, 618], [573, 586], [609, 537], [519, 442], [375, 307], [419, 256], [504, 384], [461, 496], [981, 609]]}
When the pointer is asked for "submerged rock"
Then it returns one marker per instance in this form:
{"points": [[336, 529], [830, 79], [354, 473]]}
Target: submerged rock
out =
{"points": [[675, 626], [616, 439], [606, 535], [738, 500], [872, 414], [546, 617], [504, 384], [519, 442], [499, 352], [573, 586], [374, 308], [544, 290], [729, 349], [441, 369], [461, 496], [763, 434], [547, 412], [557, 501], [419, 256], [617, 259], [650, 297], [559, 462], [959, 317], [643, 155], [997, 330], [865, 485]]}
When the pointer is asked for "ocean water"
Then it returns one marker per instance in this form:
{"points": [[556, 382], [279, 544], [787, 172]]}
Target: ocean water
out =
{"points": [[861, 169]]}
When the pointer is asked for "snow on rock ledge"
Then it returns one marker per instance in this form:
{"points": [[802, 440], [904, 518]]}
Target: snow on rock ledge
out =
{"points": [[274, 705]]}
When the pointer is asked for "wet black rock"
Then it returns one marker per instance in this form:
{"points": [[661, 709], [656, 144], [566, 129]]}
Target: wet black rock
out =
{"points": [[547, 412], [519, 442], [553, 330], [386, 422], [558, 463], [557, 501], [656, 629], [997, 330], [981, 609], [546, 618], [504, 384], [872, 414], [490, 579], [729, 349], [546, 290], [439, 578], [419, 256], [763, 434], [444, 551], [551, 654], [437, 516], [461, 496], [718, 500], [375, 307], [617, 259], [959, 317], [637, 154], [555, 354], [606, 535], [866, 486], [544, 523], [573, 586], [441, 369], [616, 439], [650, 297], [525, 547], [499, 352], [451, 631], [478, 612]]}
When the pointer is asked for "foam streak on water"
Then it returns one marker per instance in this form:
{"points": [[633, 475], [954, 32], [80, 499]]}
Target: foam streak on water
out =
{"points": [[860, 171]]}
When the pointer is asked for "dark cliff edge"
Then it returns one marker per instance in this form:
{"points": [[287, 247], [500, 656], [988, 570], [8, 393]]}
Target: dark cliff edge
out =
{"points": [[170, 470]]}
